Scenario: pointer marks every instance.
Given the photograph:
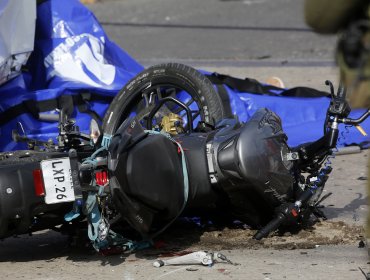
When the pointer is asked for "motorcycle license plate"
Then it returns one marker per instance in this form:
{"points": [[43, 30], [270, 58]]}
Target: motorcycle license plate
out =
{"points": [[58, 181]]}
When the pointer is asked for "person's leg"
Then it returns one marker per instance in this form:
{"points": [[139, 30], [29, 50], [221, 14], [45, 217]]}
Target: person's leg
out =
{"points": [[368, 212]]}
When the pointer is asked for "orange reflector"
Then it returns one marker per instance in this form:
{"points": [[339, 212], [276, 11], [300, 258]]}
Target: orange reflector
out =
{"points": [[362, 131], [38, 182]]}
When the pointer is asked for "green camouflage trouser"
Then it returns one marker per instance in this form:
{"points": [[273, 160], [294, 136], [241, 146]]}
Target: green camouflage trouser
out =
{"points": [[342, 14], [357, 82]]}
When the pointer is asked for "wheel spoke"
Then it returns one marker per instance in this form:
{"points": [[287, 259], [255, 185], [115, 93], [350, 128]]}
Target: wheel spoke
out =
{"points": [[151, 96], [159, 92], [196, 114], [188, 103]]}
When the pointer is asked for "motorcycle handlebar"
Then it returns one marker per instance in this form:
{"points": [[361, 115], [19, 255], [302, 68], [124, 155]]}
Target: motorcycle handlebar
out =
{"points": [[289, 211], [271, 226], [356, 121]]}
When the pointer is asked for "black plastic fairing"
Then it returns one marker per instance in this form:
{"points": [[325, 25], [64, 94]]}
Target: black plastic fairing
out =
{"points": [[20, 208], [148, 187], [256, 155], [201, 193]]}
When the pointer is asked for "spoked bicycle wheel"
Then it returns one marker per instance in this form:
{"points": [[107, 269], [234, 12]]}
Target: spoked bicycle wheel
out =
{"points": [[171, 97]]}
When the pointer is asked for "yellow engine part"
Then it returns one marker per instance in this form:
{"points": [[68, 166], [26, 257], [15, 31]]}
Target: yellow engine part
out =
{"points": [[172, 124]]}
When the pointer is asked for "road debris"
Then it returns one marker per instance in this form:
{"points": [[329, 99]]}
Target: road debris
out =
{"points": [[199, 257], [362, 178]]}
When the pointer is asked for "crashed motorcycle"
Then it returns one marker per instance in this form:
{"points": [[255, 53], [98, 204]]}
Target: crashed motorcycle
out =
{"points": [[167, 146]]}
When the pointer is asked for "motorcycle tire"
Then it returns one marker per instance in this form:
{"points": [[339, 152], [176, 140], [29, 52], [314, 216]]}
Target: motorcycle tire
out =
{"points": [[211, 108]]}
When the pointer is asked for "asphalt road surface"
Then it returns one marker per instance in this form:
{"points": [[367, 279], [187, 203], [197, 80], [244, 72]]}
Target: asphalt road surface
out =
{"points": [[229, 32]]}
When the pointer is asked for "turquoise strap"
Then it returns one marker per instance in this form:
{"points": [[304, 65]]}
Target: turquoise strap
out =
{"points": [[94, 220], [93, 214], [106, 140], [71, 216]]}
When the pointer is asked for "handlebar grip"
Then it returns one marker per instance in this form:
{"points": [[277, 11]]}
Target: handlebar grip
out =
{"points": [[341, 93], [271, 226], [49, 117]]}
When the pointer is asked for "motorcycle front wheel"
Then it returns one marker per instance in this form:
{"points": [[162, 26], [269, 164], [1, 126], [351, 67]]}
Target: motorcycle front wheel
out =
{"points": [[140, 96]]}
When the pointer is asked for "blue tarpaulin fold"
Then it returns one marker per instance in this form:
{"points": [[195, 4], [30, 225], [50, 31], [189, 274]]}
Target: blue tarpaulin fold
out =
{"points": [[73, 54]]}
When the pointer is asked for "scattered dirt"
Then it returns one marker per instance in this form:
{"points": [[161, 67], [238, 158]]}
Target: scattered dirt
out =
{"points": [[322, 233]]}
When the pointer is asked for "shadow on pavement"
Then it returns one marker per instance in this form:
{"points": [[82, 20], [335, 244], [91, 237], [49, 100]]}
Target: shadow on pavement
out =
{"points": [[50, 246], [351, 207]]}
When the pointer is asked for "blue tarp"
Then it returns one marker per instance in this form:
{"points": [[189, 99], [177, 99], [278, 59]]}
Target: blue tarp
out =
{"points": [[72, 54]]}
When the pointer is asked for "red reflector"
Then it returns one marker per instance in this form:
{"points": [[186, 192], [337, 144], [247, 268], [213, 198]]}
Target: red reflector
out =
{"points": [[101, 178], [38, 182], [294, 213]]}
